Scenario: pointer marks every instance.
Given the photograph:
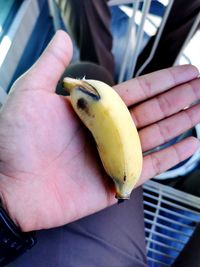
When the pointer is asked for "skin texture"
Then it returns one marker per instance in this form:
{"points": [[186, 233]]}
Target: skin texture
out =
{"points": [[50, 173]]}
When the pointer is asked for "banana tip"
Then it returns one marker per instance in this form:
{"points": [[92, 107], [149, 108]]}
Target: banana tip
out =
{"points": [[121, 198]]}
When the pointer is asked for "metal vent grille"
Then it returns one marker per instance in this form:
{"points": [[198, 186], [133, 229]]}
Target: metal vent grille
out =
{"points": [[170, 219]]}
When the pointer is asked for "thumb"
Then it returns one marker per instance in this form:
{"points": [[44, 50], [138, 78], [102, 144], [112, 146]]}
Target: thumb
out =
{"points": [[47, 70]]}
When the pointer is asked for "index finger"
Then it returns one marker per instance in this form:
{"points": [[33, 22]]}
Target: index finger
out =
{"points": [[149, 85]]}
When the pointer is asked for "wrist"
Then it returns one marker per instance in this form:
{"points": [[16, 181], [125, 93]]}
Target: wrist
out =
{"points": [[10, 202], [5, 199], [13, 242]]}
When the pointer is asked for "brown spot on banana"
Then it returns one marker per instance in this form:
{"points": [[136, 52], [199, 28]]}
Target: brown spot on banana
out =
{"points": [[82, 104]]}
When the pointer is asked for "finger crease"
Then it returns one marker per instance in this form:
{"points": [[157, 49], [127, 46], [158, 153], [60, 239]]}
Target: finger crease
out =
{"points": [[178, 155], [145, 86], [163, 136], [193, 91], [164, 105], [156, 164], [173, 76], [189, 118]]}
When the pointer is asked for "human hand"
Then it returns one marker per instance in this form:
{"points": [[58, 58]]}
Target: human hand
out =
{"points": [[50, 173]]}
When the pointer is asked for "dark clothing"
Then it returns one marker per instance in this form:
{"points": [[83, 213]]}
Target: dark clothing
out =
{"points": [[181, 18], [89, 25], [113, 237]]}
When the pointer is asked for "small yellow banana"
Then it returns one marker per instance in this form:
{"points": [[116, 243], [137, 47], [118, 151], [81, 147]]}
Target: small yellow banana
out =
{"points": [[104, 113]]}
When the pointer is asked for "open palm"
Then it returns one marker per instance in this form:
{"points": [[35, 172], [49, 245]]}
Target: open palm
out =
{"points": [[49, 167]]}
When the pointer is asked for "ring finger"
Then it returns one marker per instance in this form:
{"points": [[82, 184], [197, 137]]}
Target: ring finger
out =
{"points": [[163, 131], [166, 104]]}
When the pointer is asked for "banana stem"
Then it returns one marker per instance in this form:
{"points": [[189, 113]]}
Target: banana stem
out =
{"points": [[69, 84]]}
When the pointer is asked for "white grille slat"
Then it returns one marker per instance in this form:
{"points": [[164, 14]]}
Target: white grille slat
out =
{"points": [[161, 253], [166, 227], [172, 193], [164, 236], [169, 211], [161, 244], [171, 204], [168, 220], [157, 261]]}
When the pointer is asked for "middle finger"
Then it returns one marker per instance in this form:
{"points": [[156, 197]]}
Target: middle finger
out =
{"points": [[166, 104], [163, 131]]}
